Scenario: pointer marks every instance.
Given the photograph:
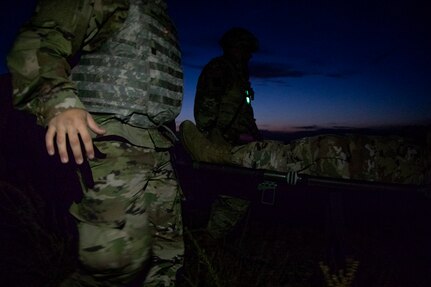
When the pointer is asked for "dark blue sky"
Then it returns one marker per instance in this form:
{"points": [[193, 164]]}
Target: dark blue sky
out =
{"points": [[338, 64]]}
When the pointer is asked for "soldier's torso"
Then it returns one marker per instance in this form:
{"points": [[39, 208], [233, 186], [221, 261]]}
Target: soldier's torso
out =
{"points": [[235, 110], [136, 75]]}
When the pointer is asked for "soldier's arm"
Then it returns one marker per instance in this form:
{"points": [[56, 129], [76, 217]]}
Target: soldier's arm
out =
{"points": [[211, 88], [40, 70]]}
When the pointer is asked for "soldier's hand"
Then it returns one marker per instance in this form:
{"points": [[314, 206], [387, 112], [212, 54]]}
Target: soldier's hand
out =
{"points": [[75, 125]]}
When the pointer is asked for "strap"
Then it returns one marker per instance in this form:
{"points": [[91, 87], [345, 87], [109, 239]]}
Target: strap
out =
{"points": [[234, 117]]}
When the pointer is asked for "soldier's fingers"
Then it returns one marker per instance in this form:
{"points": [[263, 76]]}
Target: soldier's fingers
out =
{"points": [[94, 126], [75, 145], [61, 145], [88, 143], [49, 140]]}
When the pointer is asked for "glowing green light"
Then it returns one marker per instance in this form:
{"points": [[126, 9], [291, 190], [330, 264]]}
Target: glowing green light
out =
{"points": [[247, 97]]}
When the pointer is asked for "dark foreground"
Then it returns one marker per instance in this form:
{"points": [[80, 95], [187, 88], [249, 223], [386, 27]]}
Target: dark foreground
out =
{"points": [[369, 236], [382, 236], [387, 234]]}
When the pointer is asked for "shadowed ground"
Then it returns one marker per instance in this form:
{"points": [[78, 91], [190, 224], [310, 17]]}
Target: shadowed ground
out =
{"points": [[387, 231]]}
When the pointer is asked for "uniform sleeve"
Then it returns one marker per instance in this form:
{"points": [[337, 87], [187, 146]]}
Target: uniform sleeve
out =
{"points": [[212, 86], [38, 60]]}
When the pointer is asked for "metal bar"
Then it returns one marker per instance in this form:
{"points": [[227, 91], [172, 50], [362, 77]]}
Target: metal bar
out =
{"points": [[304, 179]]}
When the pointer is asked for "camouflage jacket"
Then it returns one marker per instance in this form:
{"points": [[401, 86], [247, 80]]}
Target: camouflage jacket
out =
{"points": [[58, 30], [223, 101]]}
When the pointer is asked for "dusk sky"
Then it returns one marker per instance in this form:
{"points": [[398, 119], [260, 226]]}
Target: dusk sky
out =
{"points": [[321, 63]]}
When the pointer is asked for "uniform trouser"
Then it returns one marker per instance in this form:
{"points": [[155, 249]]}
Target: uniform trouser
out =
{"points": [[390, 159], [131, 220], [226, 213]]}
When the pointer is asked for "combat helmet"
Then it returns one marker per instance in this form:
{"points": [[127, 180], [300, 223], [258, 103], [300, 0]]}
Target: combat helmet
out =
{"points": [[239, 37]]}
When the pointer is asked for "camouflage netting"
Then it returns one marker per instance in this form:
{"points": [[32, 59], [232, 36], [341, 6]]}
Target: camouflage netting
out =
{"points": [[386, 159]]}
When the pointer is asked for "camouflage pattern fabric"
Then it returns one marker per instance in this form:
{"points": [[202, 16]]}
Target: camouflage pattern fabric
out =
{"points": [[136, 74], [226, 212], [386, 159], [130, 219], [383, 159], [38, 58], [221, 109]]}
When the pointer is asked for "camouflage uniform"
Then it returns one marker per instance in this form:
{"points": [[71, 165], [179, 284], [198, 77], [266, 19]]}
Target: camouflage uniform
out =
{"points": [[130, 220], [385, 159], [222, 108], [223, 112], [376, 158]]}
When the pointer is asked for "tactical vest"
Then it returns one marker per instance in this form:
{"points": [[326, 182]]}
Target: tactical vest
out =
{"points": [[136, 75], [236, 113]]}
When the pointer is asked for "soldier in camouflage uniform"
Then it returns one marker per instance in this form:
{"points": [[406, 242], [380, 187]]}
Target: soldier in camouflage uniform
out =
{"points": [[223, 113], [222, 107], [389, 159], [383, 159], [112, 109]]}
